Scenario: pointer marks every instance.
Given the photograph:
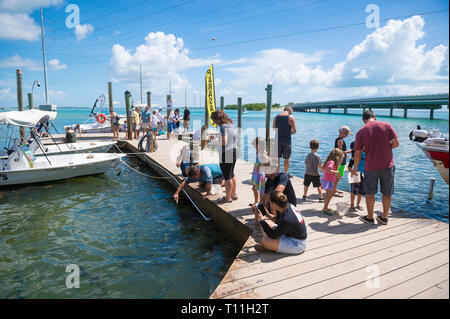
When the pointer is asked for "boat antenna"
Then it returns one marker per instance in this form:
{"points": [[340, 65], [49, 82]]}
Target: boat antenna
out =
{"points": [[140, 79], [43, 58]]}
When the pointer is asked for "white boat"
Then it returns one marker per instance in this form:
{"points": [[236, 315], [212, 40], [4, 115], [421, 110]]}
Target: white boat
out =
{"points": [[435, 145], [22, 167], [97, 121], [67, 148]]}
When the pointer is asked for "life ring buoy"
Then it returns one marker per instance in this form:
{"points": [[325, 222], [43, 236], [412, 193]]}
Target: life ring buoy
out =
{"points": [[101, 118]]}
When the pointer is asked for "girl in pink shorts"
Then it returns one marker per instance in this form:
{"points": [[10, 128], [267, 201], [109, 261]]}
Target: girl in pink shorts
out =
{"points": [[330, 172]]}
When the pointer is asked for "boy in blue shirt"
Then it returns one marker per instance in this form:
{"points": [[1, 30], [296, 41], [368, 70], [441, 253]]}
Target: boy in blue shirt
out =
{"points": [[206, 174], [357, 188]]}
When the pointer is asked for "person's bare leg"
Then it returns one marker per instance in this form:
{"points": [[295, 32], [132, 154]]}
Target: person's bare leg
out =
{"points": [[255, 194], [319, 191], [228, 189], [234, 187], [327, 199], [305, 191], [286, 165], [269, 243], [338, 178], [370, 203], [386, 205], [352, 200]]}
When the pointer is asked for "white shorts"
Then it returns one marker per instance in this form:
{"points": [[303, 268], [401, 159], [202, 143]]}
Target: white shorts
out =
{"points": [[290, 245], [145, 125]]}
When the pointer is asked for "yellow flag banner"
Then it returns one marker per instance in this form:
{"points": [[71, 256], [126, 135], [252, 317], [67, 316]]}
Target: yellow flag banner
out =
{"points": [[210, 95]]}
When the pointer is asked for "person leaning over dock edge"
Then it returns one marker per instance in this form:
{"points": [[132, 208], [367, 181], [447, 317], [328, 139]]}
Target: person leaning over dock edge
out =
{"points": [[377, 139], [339, 143], [227, 154], [284, 231], [207, 175], [285, 125]]}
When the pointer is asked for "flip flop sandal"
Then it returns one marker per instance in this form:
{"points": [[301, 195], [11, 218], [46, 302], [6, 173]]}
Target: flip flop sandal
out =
{"points": [[328, 212], [338, 195], [234, 197], [224, 200]]}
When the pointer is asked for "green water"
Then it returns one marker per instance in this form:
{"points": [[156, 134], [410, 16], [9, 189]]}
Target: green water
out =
{"points": [[128, 237]]}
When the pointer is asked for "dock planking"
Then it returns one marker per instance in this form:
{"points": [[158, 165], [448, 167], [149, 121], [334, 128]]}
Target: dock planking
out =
{"points": [[409, 258]]}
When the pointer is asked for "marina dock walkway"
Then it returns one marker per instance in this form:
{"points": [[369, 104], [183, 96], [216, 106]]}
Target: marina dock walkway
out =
{"points": [[345, 258]]}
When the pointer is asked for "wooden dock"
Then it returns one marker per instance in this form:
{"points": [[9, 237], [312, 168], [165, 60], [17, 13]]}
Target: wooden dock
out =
{"points": [[345, 258]]}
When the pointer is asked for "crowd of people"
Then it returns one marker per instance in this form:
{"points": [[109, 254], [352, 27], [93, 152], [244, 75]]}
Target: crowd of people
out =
{"points": [[145, 120], [275, 202]]}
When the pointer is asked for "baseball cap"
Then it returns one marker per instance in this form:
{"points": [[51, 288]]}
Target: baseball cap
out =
{"points": [[345, 129]]}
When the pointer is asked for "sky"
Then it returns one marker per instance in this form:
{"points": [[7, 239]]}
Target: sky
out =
{"points": [[310, 50]]}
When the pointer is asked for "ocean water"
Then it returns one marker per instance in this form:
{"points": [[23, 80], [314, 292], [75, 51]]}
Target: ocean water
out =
{"points": [[125, 233]]}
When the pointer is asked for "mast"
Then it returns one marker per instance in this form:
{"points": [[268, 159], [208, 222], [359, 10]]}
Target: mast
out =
{"points": [[140, 79], [43, 58]]}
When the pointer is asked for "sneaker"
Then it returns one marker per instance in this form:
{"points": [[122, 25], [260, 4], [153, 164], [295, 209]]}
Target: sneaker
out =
{"points": [[304, 197], [321, 200], [327, 212], [382, 221], [367, 220]]}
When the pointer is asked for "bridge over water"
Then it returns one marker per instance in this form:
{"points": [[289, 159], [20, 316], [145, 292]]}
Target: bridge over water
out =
{"points": [[424, 102]]}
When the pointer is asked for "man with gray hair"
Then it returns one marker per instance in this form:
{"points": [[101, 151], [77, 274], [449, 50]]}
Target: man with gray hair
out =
{"points": [[285, 125]]}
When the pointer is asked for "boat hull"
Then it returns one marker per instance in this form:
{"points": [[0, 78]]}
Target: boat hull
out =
{"points": [[439, 157], [85, 147], [75, 168]]}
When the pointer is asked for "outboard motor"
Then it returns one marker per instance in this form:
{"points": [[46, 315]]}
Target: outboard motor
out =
{"points": [[418, 134]]}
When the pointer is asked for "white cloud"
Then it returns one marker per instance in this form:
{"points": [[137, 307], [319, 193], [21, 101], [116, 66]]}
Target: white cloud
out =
{"points": [[83, 30], [18, 27], [56, 65], [163, 57], [17, 61], [389, 61], [26, 6]]}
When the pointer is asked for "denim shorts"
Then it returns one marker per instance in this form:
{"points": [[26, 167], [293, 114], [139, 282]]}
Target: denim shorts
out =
{"points": [[290, 245]]}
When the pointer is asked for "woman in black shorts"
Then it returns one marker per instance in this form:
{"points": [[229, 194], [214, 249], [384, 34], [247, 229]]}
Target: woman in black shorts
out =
{"points": [[227, 153]]}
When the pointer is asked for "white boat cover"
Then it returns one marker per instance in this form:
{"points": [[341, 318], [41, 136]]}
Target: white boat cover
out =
{"points": [[28, 118]]}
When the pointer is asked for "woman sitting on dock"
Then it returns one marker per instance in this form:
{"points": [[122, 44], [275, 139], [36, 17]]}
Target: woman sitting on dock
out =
{"points": [[284, 232]]}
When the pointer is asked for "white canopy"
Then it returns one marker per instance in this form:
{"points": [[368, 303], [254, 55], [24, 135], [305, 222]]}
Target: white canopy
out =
{"points": [[28, 118]]}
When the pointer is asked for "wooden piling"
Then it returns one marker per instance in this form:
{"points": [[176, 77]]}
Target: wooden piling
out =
{"points": [[30, 101], [129, 121], [149, 99], [268, 110], [405, 112], [239, 103], [222, 103], [20, 100], [111, 104]]}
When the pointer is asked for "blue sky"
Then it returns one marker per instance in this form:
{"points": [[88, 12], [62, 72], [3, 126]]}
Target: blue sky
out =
{"points": [[310, 50]]}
